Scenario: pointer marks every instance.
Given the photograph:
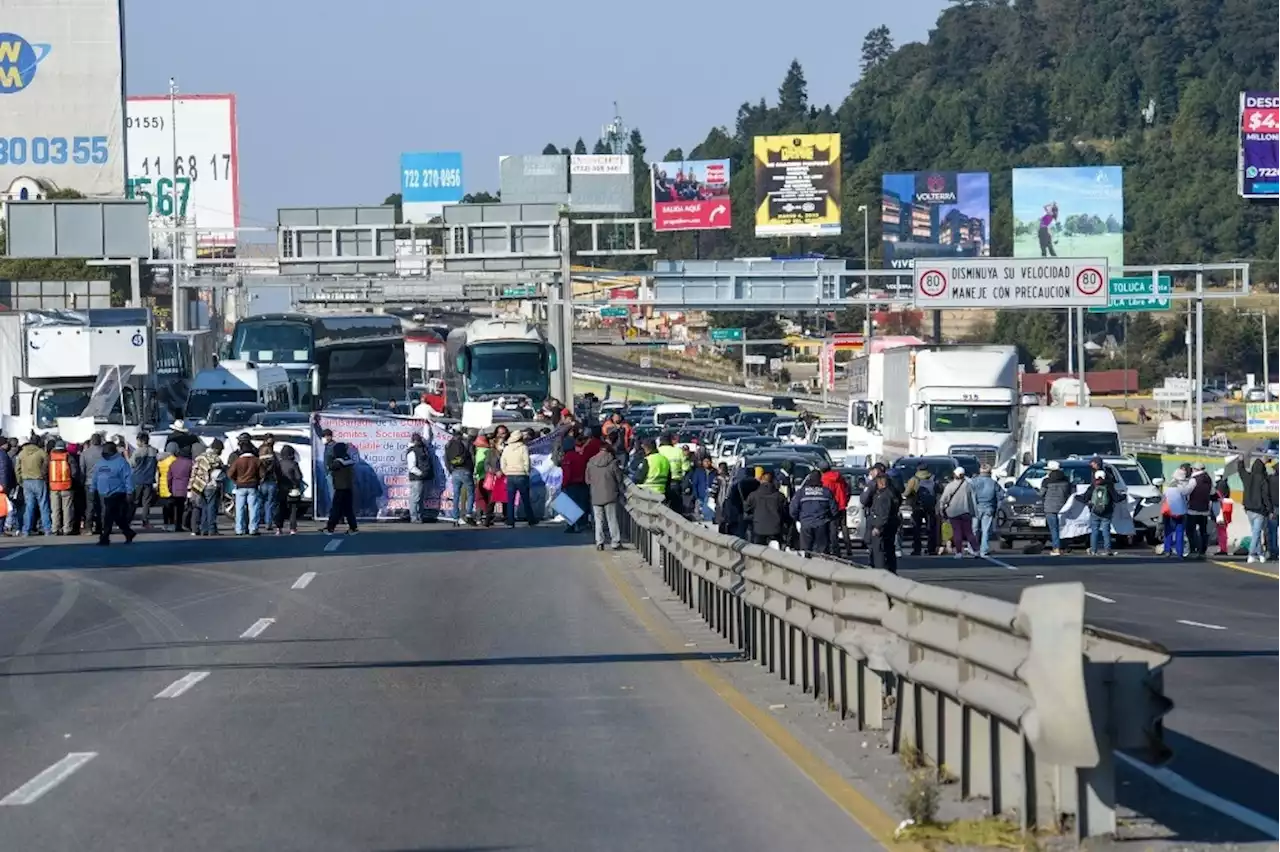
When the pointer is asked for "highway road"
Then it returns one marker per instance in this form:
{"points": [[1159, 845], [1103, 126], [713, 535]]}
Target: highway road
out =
{"points": [[1219, 620], [402, 689]]}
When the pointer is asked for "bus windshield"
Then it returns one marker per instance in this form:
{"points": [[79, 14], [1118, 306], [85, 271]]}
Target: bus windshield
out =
{"points": [[273, 342], [516, 368]]}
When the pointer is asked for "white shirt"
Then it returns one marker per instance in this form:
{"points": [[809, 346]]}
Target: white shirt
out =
{"points": [[425, 411]]}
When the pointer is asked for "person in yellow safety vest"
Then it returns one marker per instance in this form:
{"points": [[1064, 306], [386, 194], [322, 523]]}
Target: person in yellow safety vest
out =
{"points": [[655, 471], [675, 461]]}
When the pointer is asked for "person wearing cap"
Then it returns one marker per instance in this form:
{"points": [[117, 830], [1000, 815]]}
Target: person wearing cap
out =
{"points": [[958, 506], [113, 483], [813, 507], [459, 460], [1101, 500], [1173, 509], [921, 494], [1056, 491], [1199, 492], [986, 498], [33, 471], [63, 473]]}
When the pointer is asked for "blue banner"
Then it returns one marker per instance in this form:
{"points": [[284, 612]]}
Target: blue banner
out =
{"points": [[379, 445], [431, 177]]}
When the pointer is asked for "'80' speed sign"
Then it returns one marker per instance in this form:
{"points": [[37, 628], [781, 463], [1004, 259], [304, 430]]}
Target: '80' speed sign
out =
{"points": [[1011, 283]]}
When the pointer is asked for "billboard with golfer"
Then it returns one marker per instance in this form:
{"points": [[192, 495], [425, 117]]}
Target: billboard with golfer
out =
{"points": [[1073, 211]]}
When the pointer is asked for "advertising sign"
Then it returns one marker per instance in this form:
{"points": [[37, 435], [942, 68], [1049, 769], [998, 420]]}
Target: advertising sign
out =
{"points": [[1003, 283], [601, 183], [534, 179], [62, 95], [183, 160], [600, 164], [428, 181], [1262, 417], [797, 185], [691, 196], [1259, 144], [934, 214], [1069, 212]]}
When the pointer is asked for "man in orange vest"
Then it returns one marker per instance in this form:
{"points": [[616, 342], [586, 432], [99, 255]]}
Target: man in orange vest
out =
{"points": [[63, 473]]}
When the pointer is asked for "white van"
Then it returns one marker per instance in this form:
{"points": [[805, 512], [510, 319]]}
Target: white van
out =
{"points": [[666, 411], [1053, 432], [241, 381]]}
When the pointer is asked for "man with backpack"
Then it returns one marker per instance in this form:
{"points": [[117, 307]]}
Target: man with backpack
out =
{"points": [[921, 494], [1102, 504], [460, 462]]}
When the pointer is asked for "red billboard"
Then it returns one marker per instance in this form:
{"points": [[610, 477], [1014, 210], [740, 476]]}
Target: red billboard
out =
{"points": [[691, 196]]}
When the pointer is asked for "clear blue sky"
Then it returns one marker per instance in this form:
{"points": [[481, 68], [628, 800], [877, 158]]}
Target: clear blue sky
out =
{"points": [[330, 92]]}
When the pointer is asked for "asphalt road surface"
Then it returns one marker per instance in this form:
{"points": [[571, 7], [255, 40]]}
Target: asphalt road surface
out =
{"points": [[402, 689], [1218, 620]]}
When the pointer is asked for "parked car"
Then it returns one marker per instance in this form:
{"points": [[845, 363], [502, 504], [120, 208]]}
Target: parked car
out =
{"points": [[1021, 516]]}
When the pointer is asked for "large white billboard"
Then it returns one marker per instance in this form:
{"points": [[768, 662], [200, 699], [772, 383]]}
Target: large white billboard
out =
{"points": [[62, 95], [183, 160]]}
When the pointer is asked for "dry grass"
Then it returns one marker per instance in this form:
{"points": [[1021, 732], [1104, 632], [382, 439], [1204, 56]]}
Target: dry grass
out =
{"points": [[989, 833]]}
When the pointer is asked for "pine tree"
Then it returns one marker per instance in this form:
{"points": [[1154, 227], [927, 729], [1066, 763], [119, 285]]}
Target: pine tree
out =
{"points": [[550, 149], [580, 147], [877, 47], [793, 94]]}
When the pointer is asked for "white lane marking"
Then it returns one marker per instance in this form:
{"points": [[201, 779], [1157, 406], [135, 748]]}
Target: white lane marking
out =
{"points": [[50, 778], [1004, 565], [23, 551], [1201, 624], [257, 627], [333, 545], [1098, 597], [181, 685], [1175, 783], [304, 581]]}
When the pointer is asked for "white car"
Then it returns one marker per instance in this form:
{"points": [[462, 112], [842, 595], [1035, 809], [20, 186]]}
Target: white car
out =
{"points": [[1145, 493], [298, 438]]}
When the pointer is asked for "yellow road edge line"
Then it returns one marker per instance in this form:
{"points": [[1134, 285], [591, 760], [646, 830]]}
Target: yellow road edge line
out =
{"points": [[871, 817], [1245, 569]]}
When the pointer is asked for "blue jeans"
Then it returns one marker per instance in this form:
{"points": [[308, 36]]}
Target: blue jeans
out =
{"points": [[1099, 533], [36, 492], [986, 520], [417, 491], [519, 485], [1175, 531], [1273, 529], [1053, 523], [267, 493], [462, 485], [1257, 523], [248, 509], [209, 512]]}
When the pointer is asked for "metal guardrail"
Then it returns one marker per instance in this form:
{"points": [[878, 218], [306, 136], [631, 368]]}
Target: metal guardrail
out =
{"points": [[1024, 704]]}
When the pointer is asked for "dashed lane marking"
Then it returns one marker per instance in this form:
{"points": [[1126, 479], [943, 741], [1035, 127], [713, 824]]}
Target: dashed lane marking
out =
{"points": [[255, 630], [23, 551], [50, 778], [181, 685], [304, 581], [1098, 597], [1004, 565], [1201, 624], [333, 545]]}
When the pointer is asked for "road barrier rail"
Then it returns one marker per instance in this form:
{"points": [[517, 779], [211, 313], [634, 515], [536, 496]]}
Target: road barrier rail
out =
{"points": [[1023, 704]]}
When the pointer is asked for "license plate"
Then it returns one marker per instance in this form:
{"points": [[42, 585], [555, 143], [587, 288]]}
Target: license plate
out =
{"points": [[1037, 522]]}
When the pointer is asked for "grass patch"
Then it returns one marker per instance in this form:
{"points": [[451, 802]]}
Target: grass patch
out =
{"points": [[989, 833]]}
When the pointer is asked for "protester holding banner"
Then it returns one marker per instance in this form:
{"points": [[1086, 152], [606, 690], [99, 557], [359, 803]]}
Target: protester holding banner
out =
{"points": [[342, 471]]}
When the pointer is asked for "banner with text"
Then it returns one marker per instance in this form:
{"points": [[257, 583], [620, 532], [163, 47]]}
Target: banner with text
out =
{"points": [[934, 214], [797, 185], [691, 196], [1259, 144], [1004, 283], [1262, 418], [1069, 212], [428, 181]]}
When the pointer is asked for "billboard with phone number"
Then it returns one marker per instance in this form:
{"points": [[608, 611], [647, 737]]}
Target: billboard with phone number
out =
{"points": [[1259, 145]]}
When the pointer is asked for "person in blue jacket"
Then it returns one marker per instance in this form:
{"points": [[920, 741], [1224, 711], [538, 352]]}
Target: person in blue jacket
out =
{"points": [[701, 480], [813, 507]]}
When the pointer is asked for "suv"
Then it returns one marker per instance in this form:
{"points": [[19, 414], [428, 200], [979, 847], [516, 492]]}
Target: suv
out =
{"points": [[943, 469], [1021, 515]]}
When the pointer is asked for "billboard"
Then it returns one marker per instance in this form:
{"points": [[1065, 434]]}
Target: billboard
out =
{"points": [[934, 214], [534, 179], [184, 161], [691, 196], [1075, 211], [62, 95], [601, 183], [1259, 165], [797, 185], [428, 181]]}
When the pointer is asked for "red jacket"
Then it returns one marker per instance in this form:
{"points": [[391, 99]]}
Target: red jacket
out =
{"points": [[836, 485], [590, 449], [573, 467]]}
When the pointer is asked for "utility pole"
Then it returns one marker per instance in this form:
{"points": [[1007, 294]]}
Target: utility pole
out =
{"points": [[1198, 387], [1082, 389], [565, 345], [179, 305]]}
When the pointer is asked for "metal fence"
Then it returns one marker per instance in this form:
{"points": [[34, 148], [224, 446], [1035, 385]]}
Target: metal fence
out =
{"points": [[1024, 704]]}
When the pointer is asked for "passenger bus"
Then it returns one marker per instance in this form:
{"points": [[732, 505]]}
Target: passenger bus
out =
{"points": [[327, 356]]}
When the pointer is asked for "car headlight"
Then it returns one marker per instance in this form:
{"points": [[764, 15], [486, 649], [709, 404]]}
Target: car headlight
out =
{"points": [[1010, 499]]}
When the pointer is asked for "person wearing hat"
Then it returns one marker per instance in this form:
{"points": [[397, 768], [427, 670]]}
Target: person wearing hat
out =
{"points": [[178, 434], [1056, 491], [1101, 500], [1199, 492], [921, 494], [959, 507], [63, 473], [204, 489]]}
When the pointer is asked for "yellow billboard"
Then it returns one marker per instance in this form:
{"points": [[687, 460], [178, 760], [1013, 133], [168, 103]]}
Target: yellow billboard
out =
{"points": [[798, 185]]}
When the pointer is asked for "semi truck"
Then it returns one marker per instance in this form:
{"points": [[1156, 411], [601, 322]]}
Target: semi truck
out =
{"points": [[934, 400], [504, 357]]}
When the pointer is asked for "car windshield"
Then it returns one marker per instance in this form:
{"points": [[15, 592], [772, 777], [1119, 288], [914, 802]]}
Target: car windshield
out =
{"points": [[1132, 474], [969, 418], [1058, 445], [232, 413], [200, 400], [755, 417], [280, 418], [942, 469], [685, 436], [758, 441], [1077, 474], [832, 440]]}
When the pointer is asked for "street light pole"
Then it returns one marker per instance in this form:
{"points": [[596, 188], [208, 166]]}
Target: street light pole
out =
{"points": [[177, 319], [866, 274]]}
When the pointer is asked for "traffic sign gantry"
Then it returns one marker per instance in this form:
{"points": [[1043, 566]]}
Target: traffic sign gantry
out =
{"points": [[723, 334], [1138, 293], [1011, 282]]}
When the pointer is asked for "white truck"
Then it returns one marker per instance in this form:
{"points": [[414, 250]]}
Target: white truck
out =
{"points": [[95, 365], [934, 401]]}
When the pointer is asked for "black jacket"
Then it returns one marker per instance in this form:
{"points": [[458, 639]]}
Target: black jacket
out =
{"points": [[1109, 505], [458, 455], [767, 509], [884, 507], [1056, 490], [1257, 489], [422, 461]]}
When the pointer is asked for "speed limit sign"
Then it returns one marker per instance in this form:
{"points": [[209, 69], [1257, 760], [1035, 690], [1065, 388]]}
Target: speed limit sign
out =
{"points": [[1000, 283]]}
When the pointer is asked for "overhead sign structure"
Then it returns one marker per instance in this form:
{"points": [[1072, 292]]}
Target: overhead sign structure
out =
{"points": [[62, 97], [1001, 283], [691, 196], [1259, 144], [77, 229], [1137, 293], [934, 214], [428, 181], [797, 185], [184, 161], [719, 335]]}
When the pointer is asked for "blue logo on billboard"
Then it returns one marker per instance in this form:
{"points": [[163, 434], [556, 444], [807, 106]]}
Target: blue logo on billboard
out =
{"points": [[19, 59]]}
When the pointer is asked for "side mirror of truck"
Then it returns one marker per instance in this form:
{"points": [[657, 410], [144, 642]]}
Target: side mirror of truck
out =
{"points": [[909, 420], [1026, 458]]}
